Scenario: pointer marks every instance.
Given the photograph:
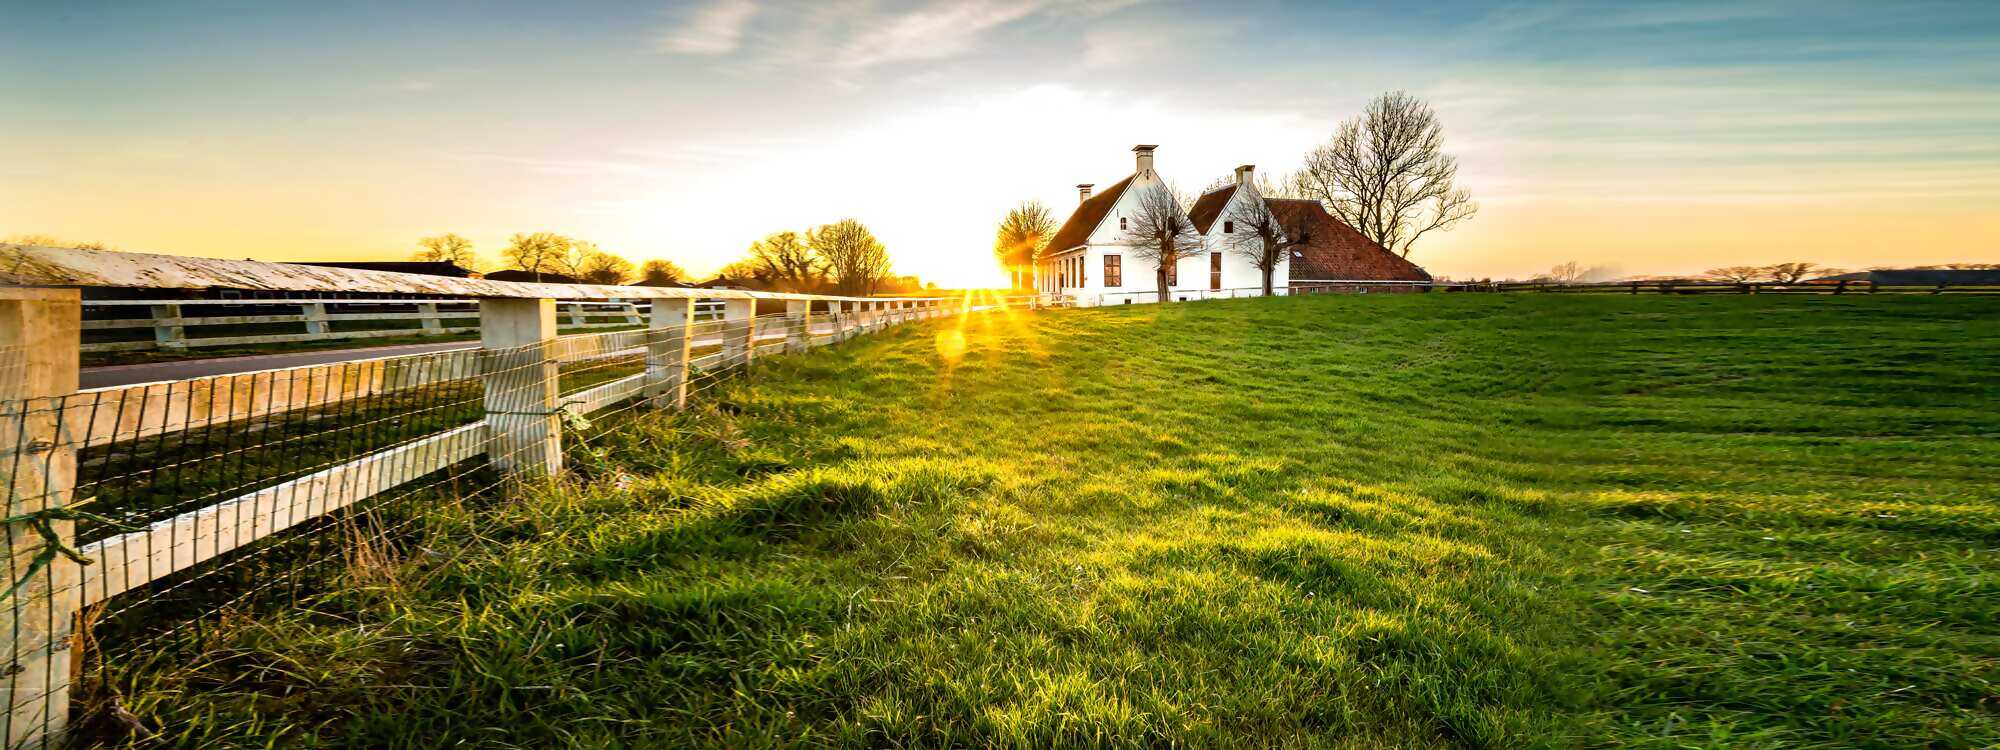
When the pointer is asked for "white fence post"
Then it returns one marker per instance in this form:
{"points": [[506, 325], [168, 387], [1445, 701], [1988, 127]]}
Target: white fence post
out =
{"points": [[739, 332], [40, 334], [315, 314], [798, 325], [168, 336], [524, 432], [427, 313], [667, 342], [632, 314]]}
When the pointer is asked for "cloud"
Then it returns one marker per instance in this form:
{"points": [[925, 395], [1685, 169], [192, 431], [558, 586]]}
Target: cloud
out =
{"points": [[842, 38], [1146, 43], [717, 29], [940, 31]]}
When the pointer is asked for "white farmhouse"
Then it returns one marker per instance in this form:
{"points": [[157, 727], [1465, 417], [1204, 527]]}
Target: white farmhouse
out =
{"points": [[1090, 260]]}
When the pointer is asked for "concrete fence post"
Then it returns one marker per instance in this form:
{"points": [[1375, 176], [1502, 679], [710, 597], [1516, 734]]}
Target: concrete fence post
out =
{"points": [[798, 326], [40, 335], [739, 332], [517, 338], [427, 314], [667, 344], [576, 316], [632, 314], [315, 313], [168, 335]]}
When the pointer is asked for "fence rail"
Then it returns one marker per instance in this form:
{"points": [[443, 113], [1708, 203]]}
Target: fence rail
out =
{"points": [[183, 324], [1730, 287], [138, 510]]}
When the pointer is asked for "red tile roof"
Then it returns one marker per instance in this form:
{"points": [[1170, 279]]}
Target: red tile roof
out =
{"points": [[1088, 215], [1334, 251], [1209, 206]]}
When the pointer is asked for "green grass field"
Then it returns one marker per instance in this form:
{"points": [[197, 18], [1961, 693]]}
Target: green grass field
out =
{"points": [[1344, 521]]}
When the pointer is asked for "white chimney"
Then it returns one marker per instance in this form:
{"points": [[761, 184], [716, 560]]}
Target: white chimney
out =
{"points": [[1145, 161], [1246, 174], [1083, 192]]}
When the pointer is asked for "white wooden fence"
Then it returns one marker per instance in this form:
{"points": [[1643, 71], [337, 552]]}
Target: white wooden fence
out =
{"points": [[194, 323], [46, 422]]}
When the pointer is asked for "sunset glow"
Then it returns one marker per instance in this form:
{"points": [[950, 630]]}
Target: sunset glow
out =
{"points": [[1660, 138]]}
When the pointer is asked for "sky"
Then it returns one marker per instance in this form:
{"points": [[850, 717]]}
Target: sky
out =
{"points": [[1646, 138]]}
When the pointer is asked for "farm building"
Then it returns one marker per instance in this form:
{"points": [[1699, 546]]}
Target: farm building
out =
{"points": [[1090, 259]]}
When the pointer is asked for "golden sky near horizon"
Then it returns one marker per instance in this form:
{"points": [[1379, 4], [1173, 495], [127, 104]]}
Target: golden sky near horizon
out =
{"points": [[1665, 139]]}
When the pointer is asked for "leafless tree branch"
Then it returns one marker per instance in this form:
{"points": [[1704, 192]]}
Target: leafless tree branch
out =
{"points": [[1385, 173], [1161, 232]]}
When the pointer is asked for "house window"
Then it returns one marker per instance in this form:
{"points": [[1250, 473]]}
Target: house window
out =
{"points": [[1114, 274], [1228, 227], [1215, 271], [1082, 271], [1121, 222]]}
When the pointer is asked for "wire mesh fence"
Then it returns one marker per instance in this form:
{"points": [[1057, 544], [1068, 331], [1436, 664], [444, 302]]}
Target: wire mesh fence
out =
{"points": [[140, 515]]}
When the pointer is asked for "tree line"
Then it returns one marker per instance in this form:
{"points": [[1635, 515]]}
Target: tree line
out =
{"points": [[1791, 272], [843, 257], [1383, 172], [553, 257]]}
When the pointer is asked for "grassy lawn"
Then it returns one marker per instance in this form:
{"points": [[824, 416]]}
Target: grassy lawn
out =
{"points": [[1342, 521]]}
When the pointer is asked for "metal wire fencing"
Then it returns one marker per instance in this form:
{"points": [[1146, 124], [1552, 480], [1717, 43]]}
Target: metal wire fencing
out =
{"points": [[139, 516]]}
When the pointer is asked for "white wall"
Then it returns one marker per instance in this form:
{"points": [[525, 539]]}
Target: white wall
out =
{"points": [[1192, 273]]}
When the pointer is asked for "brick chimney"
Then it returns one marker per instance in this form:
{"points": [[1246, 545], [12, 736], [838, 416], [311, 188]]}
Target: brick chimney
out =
{"points": [[1145, 160], [1083, 192], [1246, 174]]}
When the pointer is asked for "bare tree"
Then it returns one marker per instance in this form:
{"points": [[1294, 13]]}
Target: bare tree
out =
{"points": [[1264, 238], [448, 248], [1385, 173], [574, 257], [786, 261], [45, 240], [658, 272], [1161, 232], [537, 253], [746, 272], [604, 268], [1022, 234], [855, 259], [1738, 274], [1566, 273], [1795, 272]]}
